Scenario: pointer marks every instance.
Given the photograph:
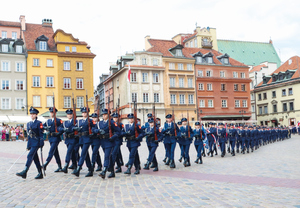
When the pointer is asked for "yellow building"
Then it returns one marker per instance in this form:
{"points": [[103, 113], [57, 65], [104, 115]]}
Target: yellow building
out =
{"points": [[75, 70]]}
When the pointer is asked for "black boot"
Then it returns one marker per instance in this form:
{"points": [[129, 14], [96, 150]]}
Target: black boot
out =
{"points": [[180, 159], [165, 159], [23, 173], [75, 167], [247, 150], [72, 167], [233, 153], [65, 169], [168, 162], [99, 168], [126, 165], [59, 169], [172, 164], [119, 170], [185, 162], [223, 154], [197, 160], [155, 169], [153, 165], [128, 171], [76, 172], [112, 174], [40, 174], [103, 173], [137, 171], [228, 149], [147, 165], [203, 154], [188, 162], [216, 151], [200, 160], [90, 173], [237, 151], [45, 165]]}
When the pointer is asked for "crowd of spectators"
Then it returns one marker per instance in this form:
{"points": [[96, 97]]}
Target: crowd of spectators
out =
{"points": [[13, 133]]}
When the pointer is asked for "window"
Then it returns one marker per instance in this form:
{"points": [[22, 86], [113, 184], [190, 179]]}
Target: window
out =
{"points": [[49, 62], [243, 75], [209, 87], [284, 107], [201, 103], [36, 101], [235, 75], [192, 44], [156, 97], [171, 65], [14, 35], [67, 83], [265, 109], [199, 59], [79, 66], [252, 96], [49, 82], [201, 86], [225, 60], [79, 103], [43, 45], [155, 62], [224, 103], [79, 83], [189, 67], [19, 49], [259, 96], [74, 49], [67, 48], [209, 73], [223, 87], [49, 101], [181, 82], [237, 103], [244, 103], [4, 48], [210, 103], [291, 106], [190, 82], [181, 99], [5, 66], [36, 81], [191, 99], [66, 65], [134, 97], [275, 108], [19, 103], [283, 92], [5, 103], [178, 52], [209, 60], [290, 91], [253, 108], [200, 73], [273, 94], [19, 66], [67, 102], [36, 62], [243, 87], [155, 78], [265, 95], [4, 34], [133, 77], [145, 97], [173, 99], [196, 43], [236, 87], [145, 77], [260, 110], [5, 85], [144, 61], [222, 74], [172, 82], [19, 85], [180, 66]]}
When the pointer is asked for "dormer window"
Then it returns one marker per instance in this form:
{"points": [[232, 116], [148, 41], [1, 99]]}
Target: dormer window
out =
{"points": [[4, 47], [224, 59], [178, 52], [43, 45], [209, 60], [198, 57], [18, 46], [19, 49]]}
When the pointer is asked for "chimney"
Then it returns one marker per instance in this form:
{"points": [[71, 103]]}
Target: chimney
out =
{"points": [[147, 44], [23, 22], [47, 22]]}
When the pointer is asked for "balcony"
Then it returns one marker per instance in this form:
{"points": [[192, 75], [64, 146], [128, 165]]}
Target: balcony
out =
{"points": [[206, 44]]}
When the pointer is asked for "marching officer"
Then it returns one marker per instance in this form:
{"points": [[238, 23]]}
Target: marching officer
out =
{"points": [[133, 142], [35, 141], [54, 139], [169, 139], [179, 124], [210, 132], [221, 132], [185, 138], [96, 143], [247, 137], [199, 134], [153, 143], [232, 138]]}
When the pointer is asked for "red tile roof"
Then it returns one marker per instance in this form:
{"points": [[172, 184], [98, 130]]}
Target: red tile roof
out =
{"points": [[163, 47], [295, 65], [257, 68], [33, 31], [10, 24]]}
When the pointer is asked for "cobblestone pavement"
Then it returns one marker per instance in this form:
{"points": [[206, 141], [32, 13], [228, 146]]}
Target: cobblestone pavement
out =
{"points": [[267, 177]]}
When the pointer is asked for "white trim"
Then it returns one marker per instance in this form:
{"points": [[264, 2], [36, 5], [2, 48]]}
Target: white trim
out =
{"points": [[7, 66], [9, 81], [24, 84], [21, 62], [9, 106], [23, 104]]}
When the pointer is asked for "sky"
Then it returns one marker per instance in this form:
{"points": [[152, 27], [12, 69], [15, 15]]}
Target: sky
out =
{"points": [[113, 28]]}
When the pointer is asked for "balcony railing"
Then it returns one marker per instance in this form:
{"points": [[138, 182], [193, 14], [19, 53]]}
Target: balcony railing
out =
{"points": [[206, 44]]}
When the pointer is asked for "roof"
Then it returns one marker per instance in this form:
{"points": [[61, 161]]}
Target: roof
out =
{"points": [[293, 64], [33, 31], [164, 46], [10, 24], [257, 68], [249, 53]]}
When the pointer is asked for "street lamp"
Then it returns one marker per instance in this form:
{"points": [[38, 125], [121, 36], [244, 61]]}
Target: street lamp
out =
{"points": [[242, 112]]}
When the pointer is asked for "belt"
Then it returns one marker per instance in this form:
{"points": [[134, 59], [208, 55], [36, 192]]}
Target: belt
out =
{"points": [[130, 137], [53, 134], [70, 135], [85, 133]]}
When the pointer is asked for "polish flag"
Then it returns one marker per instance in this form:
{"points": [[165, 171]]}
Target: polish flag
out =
{"points": [[129, 72]]}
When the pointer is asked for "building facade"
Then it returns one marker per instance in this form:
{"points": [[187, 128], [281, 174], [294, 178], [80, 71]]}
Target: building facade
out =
{"points": [[100, 94]]}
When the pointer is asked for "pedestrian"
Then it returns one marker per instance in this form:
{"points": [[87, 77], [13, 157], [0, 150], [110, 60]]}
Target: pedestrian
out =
{"points": [[199, 134], [17, 133], [3, 133], [185, 138], [7, 132], [13, 134]]}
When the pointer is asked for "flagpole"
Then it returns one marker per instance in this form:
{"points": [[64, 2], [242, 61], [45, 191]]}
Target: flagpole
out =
{"points": [[129, 97]]}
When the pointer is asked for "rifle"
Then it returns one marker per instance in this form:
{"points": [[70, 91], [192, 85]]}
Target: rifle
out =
{"points": [[98, 108], [135, 118], [74, 114], [88, 113], [109, 124], [173, 115], [154, 118], [188, 124], [118, 111], [200, 124], [54, 113]]}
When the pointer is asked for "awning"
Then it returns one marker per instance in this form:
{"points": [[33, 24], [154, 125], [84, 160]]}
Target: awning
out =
{"points": [[18, 119], [225, 117], [60, 114]]}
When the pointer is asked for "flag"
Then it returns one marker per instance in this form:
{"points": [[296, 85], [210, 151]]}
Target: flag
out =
{"points": [[129, 73]]}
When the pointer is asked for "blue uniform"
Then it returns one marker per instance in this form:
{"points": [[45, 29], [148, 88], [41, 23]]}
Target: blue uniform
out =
{"points": [[222, 139], [116, 155], [186, 140], [199, 140], [232, 138], [152, 143], [212, 138], [154, 160], [169, 139]]}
